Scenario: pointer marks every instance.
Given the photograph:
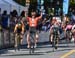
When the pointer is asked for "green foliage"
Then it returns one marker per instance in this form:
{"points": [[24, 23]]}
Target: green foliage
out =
{"points": [[72, 2], [33, 1], [21, 2]]}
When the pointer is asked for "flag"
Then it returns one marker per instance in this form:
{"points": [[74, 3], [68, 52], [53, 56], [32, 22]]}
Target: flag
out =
{"points": [[65, 6]]}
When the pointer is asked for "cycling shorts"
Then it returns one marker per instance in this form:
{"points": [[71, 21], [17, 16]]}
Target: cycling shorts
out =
{"points": [[32, 30]]}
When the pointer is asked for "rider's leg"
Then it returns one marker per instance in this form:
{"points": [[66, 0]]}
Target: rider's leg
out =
{"points": [[28, 40], [51, 37], [36, 40], [21, 40], [37, 37]]}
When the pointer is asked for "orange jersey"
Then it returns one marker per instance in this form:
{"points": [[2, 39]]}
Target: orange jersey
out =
{"points": [[33, 22]]}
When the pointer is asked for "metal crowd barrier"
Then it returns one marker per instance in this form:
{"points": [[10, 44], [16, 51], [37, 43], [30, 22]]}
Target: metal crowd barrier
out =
{"points": [[6, 39]]}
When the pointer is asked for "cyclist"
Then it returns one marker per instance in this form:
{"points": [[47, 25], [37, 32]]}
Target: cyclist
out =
{"points": [[68, 31], [33, 22], [54, 30], [19, 30], [73, 31]]}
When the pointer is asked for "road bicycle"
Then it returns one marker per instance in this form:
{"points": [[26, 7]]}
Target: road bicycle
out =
{"points": [[55, 42]]}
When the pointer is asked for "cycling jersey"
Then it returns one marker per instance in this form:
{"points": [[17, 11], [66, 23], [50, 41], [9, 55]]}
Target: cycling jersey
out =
{"points": [[55, 30], [68, 27], [33, 22]]}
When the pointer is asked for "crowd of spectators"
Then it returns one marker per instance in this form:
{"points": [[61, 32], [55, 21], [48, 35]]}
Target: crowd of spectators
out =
{"points": [[8, 21]]}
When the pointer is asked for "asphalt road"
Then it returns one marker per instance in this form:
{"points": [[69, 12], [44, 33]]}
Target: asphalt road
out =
{"points": [[42, 51]]}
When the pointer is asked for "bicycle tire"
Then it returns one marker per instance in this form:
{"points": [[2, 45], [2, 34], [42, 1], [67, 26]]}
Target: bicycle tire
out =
{"points": [[33, 48], [55, 42], [18, 42], [68, 37], [30, 50]]}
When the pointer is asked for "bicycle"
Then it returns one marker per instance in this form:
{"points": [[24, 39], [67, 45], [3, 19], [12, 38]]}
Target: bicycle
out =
{"points": [[55, 41], [73, 36], [32, 38], [68, 36]]}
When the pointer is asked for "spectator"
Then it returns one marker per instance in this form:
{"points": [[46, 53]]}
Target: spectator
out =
{"points": [[14, 14], [23, 17], [0, 18], [5, 20], [23, 14], [0, 15], [13, 19], [0, 11], [73, 18]]}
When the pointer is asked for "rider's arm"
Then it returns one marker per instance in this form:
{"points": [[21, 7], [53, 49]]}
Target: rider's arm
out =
{"points": [[40, 16], [73, 30], [51, 29], [15, 28]]}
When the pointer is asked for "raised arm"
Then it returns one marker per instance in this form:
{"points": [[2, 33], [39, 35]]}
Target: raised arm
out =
{"points": [[40, 16]]}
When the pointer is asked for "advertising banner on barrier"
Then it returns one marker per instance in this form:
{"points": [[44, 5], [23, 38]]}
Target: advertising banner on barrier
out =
{"points": [[65, 6]]}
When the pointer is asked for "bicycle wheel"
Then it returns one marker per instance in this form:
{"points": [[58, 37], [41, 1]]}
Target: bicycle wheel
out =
{"points": [[74, 37], [53, 43], [67, 38], [30, 50], [33, 44], [18, 42], [56, 43]]}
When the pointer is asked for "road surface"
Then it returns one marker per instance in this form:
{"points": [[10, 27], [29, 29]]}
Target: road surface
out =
{"points": [[42, 51]]}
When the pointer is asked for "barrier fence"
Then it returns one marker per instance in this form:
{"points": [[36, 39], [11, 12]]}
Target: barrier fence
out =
{"points": [[6, 39]]}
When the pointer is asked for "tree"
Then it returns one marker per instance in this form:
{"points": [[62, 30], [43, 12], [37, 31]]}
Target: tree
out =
{"points": [[72, 2], [21, 2]]}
